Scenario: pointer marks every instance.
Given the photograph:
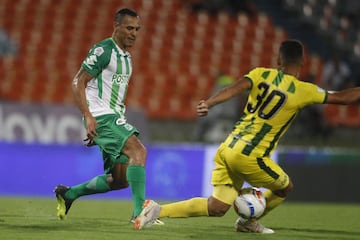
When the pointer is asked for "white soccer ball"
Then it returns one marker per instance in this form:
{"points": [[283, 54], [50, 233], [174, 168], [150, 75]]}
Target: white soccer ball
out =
{"points": [[250, 203]]}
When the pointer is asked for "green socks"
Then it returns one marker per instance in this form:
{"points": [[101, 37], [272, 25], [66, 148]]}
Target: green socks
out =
{"points": [[135, 175], [136, 178], [96, 185]]}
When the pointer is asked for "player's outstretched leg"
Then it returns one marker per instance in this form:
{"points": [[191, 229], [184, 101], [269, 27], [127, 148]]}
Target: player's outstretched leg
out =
{"points": [[63, 204], [148, 215], [251, 226]]}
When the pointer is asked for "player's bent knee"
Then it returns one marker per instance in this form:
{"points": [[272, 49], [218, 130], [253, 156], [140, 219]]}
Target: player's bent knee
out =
{"points": [[217, 208], [284, 192], [135, 150], [119, 185], [216, 212], [138, 156]]}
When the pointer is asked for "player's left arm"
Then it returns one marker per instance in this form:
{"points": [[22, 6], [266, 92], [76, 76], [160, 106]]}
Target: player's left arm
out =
{"points": [[344, 97], [80, 81], [223, 95]]}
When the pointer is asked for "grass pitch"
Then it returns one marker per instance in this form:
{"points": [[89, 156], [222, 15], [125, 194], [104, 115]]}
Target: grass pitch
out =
{"points": [[88, 219]]}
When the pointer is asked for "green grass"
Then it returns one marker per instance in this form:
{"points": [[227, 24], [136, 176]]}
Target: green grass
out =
{"points": [[25, 218]]}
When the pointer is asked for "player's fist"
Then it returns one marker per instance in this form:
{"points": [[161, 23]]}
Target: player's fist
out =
{"points": [[202, 108]]}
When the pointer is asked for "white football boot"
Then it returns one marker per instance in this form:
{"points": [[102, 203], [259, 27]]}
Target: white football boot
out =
{"points": [[148, 215], [251, 226]]}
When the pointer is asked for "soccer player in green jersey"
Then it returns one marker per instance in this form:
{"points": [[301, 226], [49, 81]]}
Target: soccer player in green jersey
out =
{"points": [[100, 88], [275, 97]]}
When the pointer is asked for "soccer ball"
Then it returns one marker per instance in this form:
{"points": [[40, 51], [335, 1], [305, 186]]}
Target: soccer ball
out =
{"points": [[250, 203]]}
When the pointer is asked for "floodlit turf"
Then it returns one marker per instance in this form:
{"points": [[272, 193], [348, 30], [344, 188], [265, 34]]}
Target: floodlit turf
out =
{"points": [[25, 218]]}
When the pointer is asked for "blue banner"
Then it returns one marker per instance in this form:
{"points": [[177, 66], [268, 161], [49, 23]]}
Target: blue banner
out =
{"points": [[173, 172]]}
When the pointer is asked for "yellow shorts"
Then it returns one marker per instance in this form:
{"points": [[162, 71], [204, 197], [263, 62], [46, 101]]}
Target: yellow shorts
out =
{"points": [[234, 168]]}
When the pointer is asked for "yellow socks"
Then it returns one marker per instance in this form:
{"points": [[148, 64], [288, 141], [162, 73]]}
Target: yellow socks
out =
{"points": [[272, 201], [189, 208], [196, 207]]}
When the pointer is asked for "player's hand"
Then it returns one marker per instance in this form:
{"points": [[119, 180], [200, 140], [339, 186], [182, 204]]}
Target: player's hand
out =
{"points": [[89, 142], [90, 126], [202, 108]]}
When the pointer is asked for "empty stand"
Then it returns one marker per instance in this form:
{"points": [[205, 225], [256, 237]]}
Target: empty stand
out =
{"points": [[176, 58], [342, 116]]}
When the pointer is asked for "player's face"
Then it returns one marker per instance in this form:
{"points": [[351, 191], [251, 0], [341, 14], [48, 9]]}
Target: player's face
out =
{"points": [[125, 32]]}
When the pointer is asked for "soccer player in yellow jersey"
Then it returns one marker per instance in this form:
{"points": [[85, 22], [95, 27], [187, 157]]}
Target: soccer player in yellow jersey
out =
{"points": [[275, 98]]}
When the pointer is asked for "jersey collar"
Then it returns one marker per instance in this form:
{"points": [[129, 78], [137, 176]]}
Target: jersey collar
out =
{"points": [[120, 51]]}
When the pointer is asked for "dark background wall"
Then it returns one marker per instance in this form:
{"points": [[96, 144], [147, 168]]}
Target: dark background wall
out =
{"points": [[323, 174]]}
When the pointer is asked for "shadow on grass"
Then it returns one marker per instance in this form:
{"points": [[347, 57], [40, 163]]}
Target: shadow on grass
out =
{"points": [[20, 227], [322, 231], [85, 224]]}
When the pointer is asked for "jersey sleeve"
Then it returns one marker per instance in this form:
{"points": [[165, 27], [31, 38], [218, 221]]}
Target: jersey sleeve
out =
{"points": [[97, 58], [254, 76], [312, 94]]}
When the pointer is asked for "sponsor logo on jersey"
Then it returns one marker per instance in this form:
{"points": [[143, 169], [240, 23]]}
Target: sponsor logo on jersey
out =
{"points": [[90, 61], [120, 78]]}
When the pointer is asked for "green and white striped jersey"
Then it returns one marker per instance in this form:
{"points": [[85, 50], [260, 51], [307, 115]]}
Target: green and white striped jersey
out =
{"points": [[111, 68]]}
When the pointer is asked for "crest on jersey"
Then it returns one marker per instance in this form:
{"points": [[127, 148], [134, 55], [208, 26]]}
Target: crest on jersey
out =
{"points": [[98, 51]]}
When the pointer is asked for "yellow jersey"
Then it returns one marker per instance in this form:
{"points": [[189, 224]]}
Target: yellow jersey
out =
{"points": [[274, 100]]}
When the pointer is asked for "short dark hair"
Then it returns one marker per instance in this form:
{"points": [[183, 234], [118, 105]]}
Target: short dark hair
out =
{"points": [[123, 12], [291, 52]]}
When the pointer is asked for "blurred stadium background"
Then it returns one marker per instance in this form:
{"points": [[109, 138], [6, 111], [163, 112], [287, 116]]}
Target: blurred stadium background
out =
{"points": [[182, 48]]}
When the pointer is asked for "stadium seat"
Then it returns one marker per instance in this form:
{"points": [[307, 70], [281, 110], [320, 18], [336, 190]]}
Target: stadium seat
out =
{"points": [[332, 115], [352, 116], [180, 58]]}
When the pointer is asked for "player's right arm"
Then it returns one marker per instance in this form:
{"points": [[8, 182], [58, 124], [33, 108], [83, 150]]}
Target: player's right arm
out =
{"points": [[347, 96], [223, 95], [80, 82]]}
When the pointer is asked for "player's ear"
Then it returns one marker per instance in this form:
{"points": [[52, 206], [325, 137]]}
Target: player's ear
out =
{"points": [[115, 24]]}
